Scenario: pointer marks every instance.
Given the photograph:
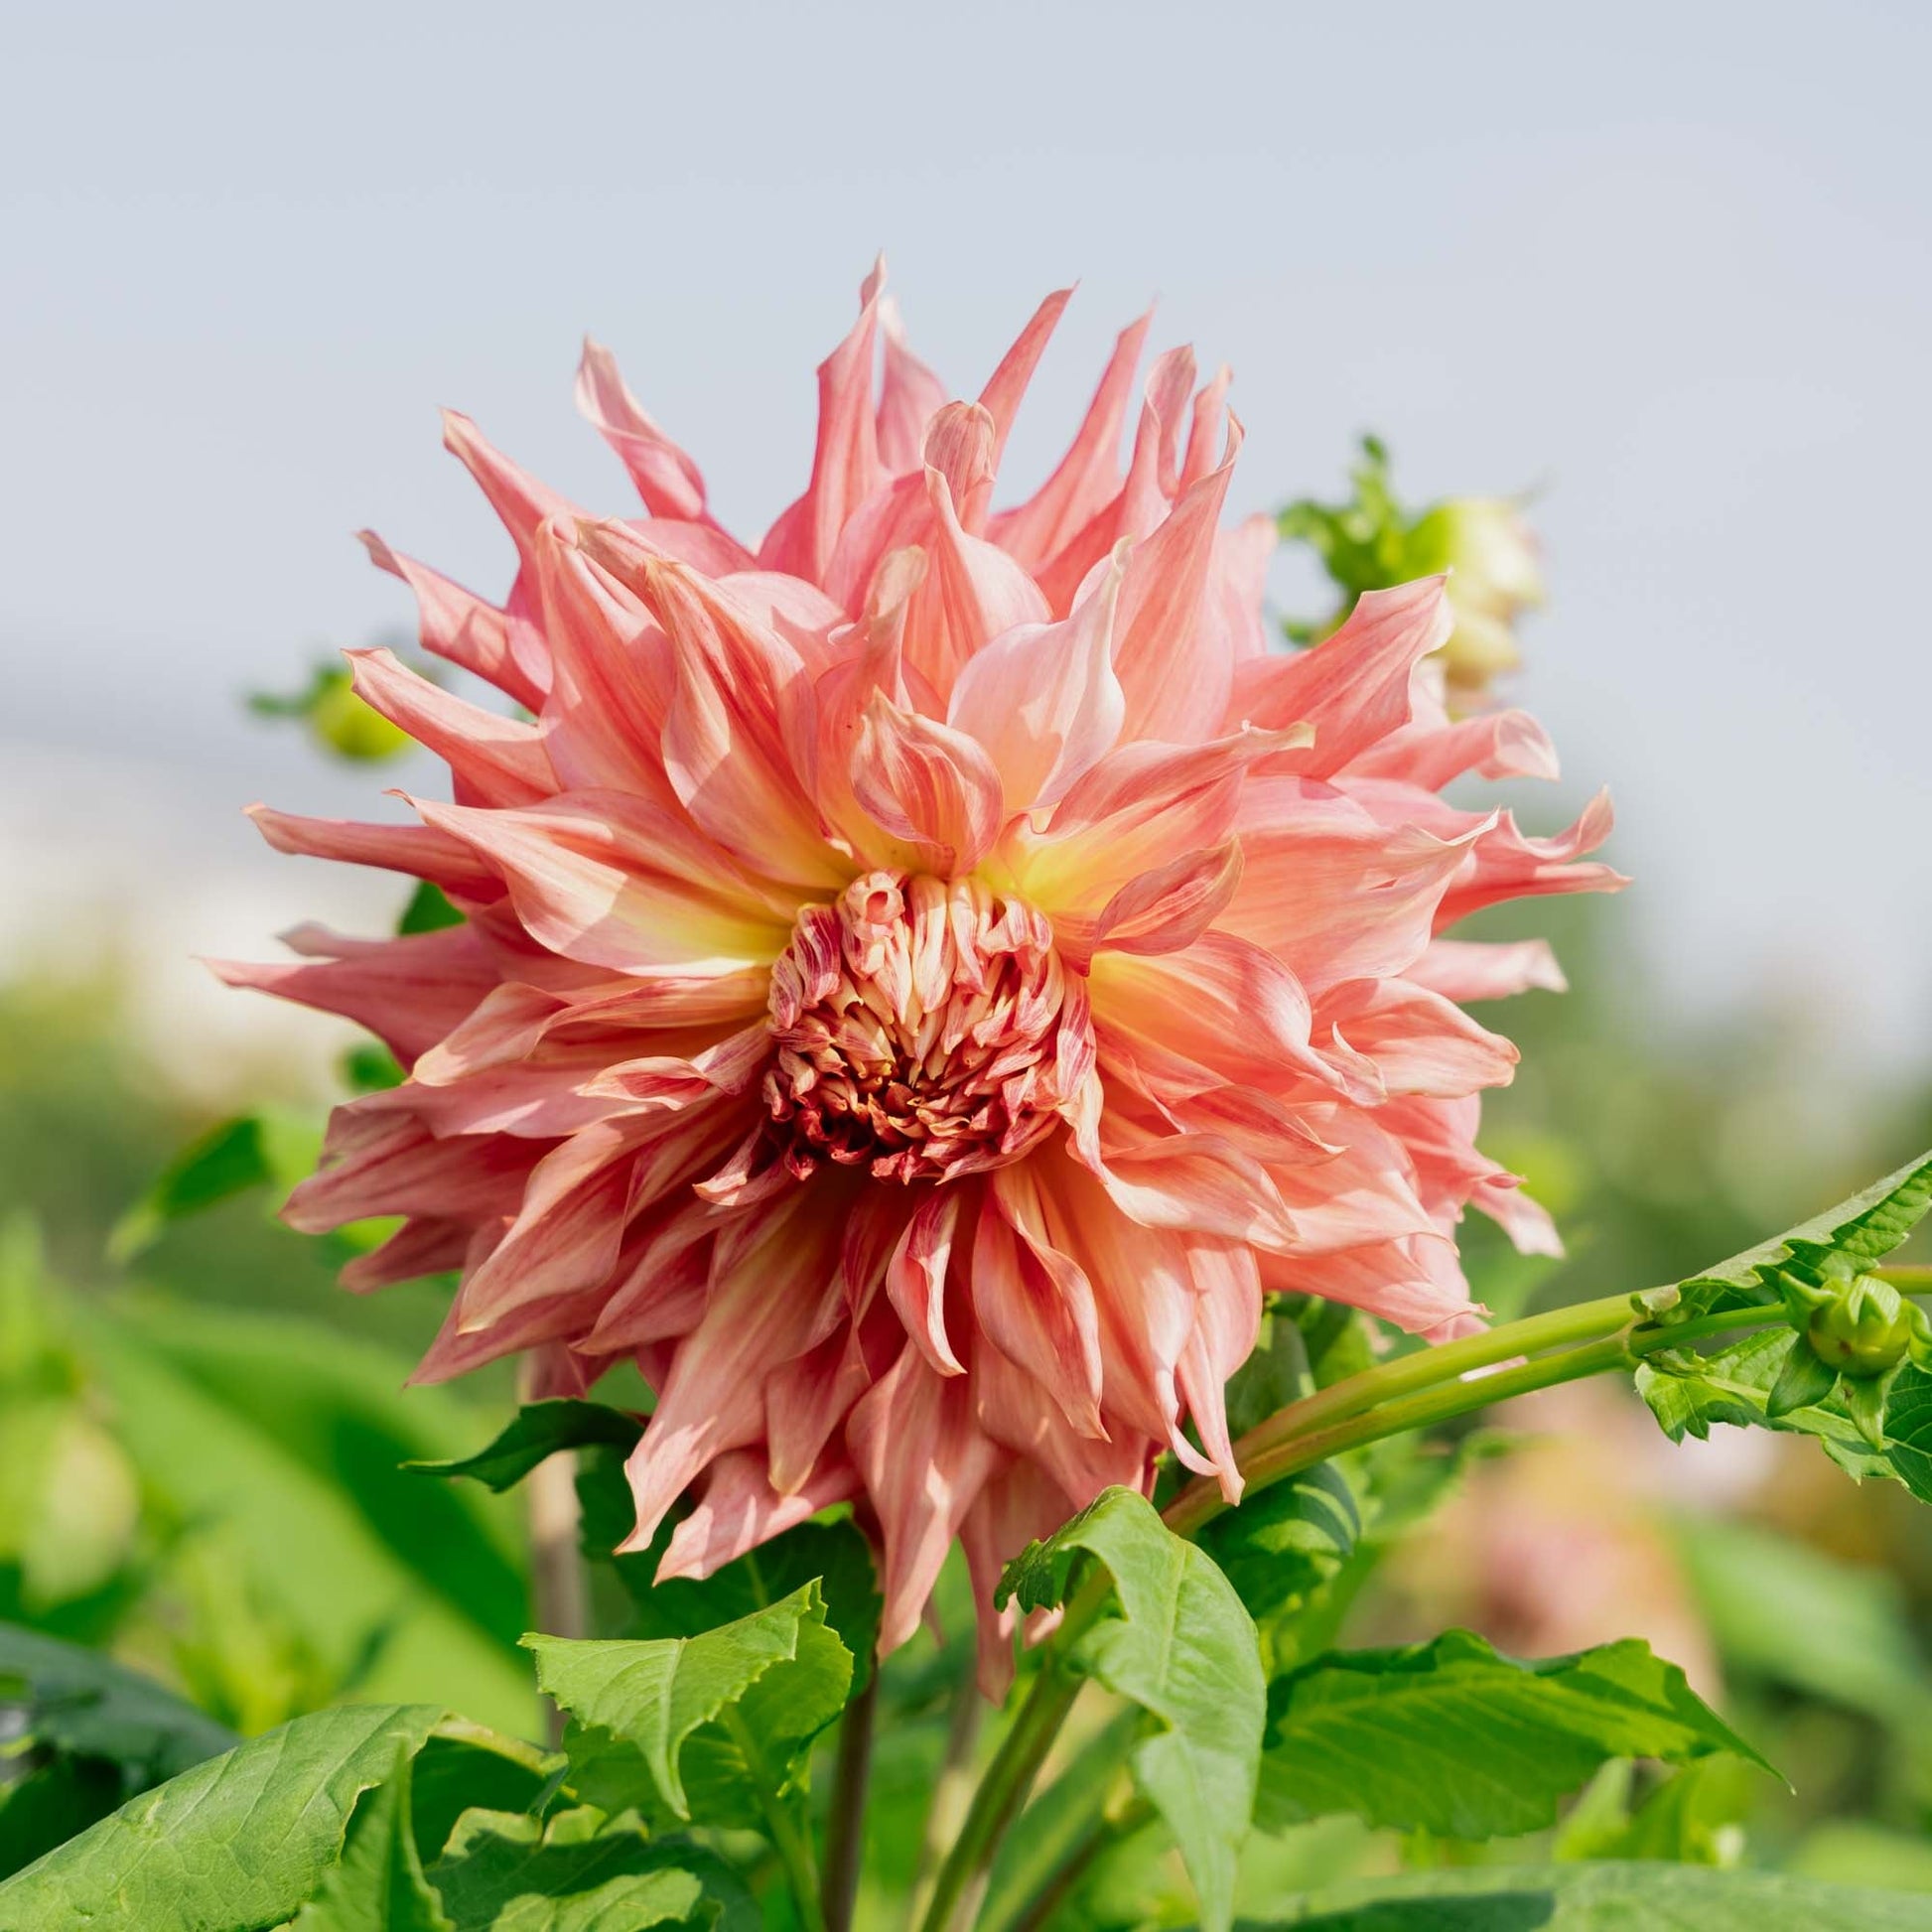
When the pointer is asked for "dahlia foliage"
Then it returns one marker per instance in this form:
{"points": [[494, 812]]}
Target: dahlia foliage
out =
{"points": [[927, 974]]}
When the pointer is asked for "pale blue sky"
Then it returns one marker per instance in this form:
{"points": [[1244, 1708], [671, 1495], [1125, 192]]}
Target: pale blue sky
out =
{"points": [[1673, 261]]}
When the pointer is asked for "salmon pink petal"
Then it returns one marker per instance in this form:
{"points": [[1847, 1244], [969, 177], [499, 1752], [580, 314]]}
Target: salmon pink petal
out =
{"points": [[1088, 475], [1006, 385], [924, 1460], [1352, 687], [668, 479], [458, 625], [1227, 1319], [494, 761], [1174, 690], [615, 883], [909, 394], [929, 786], [916, 1275], [1506, 865], [806, 1404], [1034, 1303], [413, 849], [1492, 744], [408, 992], [1470, 969], [737, 1509], [1044, 699], [846, 468], [1162, 910], [1418, 1041]]}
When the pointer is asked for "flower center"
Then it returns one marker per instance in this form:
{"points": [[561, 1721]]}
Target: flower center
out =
{"points": [[923, 1027]]}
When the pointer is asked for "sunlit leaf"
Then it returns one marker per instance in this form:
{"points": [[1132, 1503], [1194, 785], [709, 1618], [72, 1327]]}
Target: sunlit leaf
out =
{"points": [[1451, 1738], [1181, 1647]]}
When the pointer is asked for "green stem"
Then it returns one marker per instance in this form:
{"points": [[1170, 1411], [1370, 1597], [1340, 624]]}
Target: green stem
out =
{"points": [[790, 1837], [1007, 1780], [1040, 1910], [1412, 1392], [845, 1826]]}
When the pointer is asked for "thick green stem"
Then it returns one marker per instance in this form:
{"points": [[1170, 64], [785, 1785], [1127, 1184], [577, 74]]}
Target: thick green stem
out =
{"points": [[844, 1826]]}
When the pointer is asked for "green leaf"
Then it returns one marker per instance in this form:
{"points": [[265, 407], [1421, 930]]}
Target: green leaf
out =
{"points": [[1180, 1645], [379, 1885], [1909, 1429], [1282, 1543], [283, 1439], [573, 1871], [1275, 1374], [239, 1841], [1607, 1897], [538, 1432], [1832, 1246], [759, 1689], [251, 1150], [465, 1767], [428, 911], [82, 1704], [1690, 1393], [1451, 1738]]}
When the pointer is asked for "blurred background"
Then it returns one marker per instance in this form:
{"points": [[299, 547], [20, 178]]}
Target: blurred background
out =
{"points": [[1670, 271]]}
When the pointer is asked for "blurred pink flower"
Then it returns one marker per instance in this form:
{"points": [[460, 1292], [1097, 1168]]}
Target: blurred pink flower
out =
{"points": [[924, 977]]}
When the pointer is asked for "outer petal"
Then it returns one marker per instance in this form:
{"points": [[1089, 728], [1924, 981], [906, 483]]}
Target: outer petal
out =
{"points": [[607, 880], [414, 849], [1352, 687], [924, 1460], [1468, 969], [457, 624], [494, 761]]}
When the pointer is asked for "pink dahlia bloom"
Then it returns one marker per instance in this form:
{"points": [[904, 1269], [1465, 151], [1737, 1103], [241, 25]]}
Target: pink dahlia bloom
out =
{"points": [[925, 977]]}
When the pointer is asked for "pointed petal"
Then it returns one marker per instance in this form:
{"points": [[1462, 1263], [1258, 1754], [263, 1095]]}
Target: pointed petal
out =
{"points": [[916, 1277], [494, 761], [458, 625], [1006, 385], [414, 849], [1044, 699]]}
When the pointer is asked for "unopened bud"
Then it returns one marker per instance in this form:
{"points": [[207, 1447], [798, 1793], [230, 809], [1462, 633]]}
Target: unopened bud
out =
{"points": [[1495, 574], [1863, 1332], [337, 720]]}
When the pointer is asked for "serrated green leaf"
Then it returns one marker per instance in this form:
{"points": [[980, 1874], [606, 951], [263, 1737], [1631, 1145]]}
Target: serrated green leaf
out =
{"points": [[1182, 1648], [573, 1871], [761, 1689], [1909, 1429], [379, 1883], [1689, 1394], [1451, 1738], [1606, 1897], [82, 1704], [1834, 1245], [538, 1432], [241, 1840]]}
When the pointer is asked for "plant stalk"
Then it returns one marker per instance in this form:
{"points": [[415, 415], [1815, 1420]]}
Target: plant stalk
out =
{"points": [[790, 1837], [1410, 1392], [845, 1827]]}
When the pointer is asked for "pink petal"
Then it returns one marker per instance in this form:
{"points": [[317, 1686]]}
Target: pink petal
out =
{"points": [[1352, 687], [413, 849], [1419, 1041], [1034, 1303], [615, 883], [927, 786], [916, 1275], [459, 626], [737, 1509], [1468, 969], [908, 396], [924, 1460], [1006, 385], [1044, 699], [1086, 476], [494, 761]]}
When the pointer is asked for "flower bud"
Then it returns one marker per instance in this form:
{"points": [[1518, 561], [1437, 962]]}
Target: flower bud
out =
{"points": [[1491, 555], [337, 719], [1863, 1332]]}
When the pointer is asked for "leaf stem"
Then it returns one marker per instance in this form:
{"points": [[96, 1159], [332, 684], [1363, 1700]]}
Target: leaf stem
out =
{"points": [[844, 1826], [946, 1808]]}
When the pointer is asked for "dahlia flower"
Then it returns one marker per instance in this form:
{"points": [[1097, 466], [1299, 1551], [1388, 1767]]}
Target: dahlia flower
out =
{"points": [[926, 976]]}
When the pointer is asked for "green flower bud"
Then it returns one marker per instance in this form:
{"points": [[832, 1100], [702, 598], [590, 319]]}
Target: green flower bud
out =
{"points": [[341, 722], [1491, 555], [1863, 1332]]}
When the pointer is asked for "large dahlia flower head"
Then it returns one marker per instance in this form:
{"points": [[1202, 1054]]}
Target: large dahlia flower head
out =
{"points": [[926, 976]]}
